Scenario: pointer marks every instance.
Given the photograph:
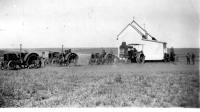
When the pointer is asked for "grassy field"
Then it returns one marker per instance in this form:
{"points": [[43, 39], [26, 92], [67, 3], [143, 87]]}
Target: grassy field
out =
{"points": [[153, 84], [149, 85]]}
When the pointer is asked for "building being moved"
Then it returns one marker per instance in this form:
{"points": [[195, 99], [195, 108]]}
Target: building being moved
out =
{"points": [[149, 45]]}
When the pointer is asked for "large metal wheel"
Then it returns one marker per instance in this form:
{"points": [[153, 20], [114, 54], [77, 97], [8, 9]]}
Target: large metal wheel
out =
{"points": [[11, 65], [110, 58], [92, 61], [140, 58], [55, 61], [30, 60], [71, 59]]}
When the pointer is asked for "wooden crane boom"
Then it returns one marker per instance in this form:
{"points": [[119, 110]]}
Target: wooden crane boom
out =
{"points": [[144, 36], [153, 38]]}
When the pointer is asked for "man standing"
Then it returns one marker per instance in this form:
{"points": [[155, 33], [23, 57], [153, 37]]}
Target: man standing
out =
{"points": [[188, 58], [193, 58], [172, 54]]}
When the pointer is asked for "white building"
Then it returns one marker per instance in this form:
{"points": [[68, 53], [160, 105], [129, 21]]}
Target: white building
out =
{"points": [[152, 49]]}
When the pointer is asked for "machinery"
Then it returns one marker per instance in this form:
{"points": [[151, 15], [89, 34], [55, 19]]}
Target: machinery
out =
{"points": [[138, 50], [63, 58], [53, 57], [129, 53], [14, 60], [102, 58]]}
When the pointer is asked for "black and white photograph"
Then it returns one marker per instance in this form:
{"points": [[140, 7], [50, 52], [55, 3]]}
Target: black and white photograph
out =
{"points": [[99, 54]]}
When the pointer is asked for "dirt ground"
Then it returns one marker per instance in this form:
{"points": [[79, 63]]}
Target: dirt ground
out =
{"points": [[153, 84]]}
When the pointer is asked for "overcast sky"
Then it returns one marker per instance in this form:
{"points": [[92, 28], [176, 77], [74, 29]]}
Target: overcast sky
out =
{"points": [[95, 23]]}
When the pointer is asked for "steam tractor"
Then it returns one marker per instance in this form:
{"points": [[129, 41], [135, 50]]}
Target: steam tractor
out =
{"points": [[15, 60], [102, 58], [63, 58], [53, 57]]}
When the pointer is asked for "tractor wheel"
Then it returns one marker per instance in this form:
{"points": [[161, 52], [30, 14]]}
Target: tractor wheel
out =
{"points": [[91, 61], [53, 61], [140, 58], [111, 59], [11, 65]]}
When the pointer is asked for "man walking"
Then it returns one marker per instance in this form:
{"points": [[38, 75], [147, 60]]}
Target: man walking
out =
{"points": [[193, 58]]}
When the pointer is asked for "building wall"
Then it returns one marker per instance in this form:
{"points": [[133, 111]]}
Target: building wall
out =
{"points": [[153, 50]]}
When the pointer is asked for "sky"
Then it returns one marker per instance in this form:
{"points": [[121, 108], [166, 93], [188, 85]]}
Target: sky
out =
{"points": [[95, 23]]}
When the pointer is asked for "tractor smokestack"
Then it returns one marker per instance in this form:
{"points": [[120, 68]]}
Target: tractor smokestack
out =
{"points": [[62, 48], [20, 48]]}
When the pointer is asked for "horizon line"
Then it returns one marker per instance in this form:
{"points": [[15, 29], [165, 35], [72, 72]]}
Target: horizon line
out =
{"points": [[88, 47]]}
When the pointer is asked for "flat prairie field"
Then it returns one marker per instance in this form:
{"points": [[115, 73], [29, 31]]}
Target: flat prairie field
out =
{"points": [[153, 84]]}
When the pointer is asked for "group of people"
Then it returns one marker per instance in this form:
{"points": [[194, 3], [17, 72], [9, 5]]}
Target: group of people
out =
{"points": [[190, 58]]}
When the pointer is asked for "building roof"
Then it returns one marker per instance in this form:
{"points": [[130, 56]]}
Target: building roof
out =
{"points": [[135, 44]]}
